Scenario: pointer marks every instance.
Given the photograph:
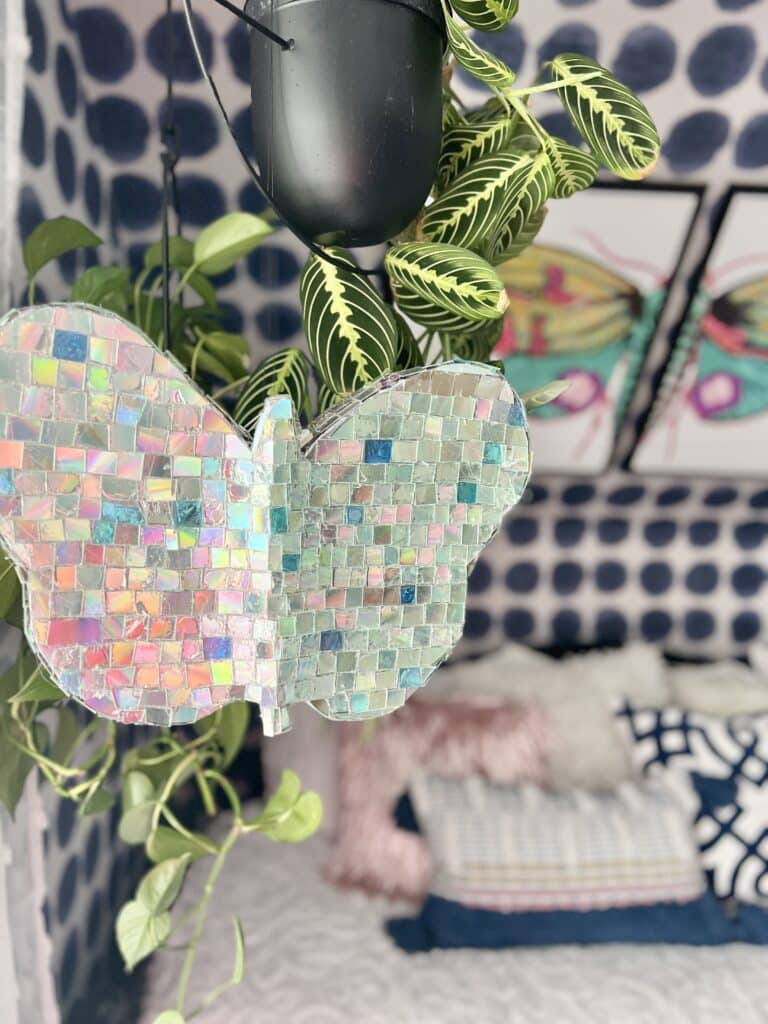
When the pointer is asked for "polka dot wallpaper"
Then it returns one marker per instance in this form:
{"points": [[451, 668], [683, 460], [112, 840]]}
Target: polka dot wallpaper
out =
{"points": [[678, 563]]}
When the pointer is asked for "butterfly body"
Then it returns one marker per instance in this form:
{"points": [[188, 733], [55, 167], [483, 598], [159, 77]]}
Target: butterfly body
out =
{"points": [[173, 565]]}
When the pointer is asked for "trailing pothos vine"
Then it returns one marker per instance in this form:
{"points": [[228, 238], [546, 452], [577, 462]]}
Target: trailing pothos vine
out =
{"points": [[498, 170]]}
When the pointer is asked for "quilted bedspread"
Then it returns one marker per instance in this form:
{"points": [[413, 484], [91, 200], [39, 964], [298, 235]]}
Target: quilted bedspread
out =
{"points": [[317, 955]]}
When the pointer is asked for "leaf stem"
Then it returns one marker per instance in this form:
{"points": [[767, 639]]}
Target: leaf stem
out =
{"points": [[532, 90], [522, 111], [202, 914], [230, 387]]}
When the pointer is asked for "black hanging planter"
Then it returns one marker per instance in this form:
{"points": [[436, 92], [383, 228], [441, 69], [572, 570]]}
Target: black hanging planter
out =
{"points": [[347, 123]]}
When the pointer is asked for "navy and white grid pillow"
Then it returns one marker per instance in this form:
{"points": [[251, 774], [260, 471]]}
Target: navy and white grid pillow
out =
{"points": [[727, 760]]}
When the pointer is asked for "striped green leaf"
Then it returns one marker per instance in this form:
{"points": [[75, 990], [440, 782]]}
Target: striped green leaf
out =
{"points": [[527, 192], [451, 117], [478, 62], [491, 110], [326, 397], [486, 15], [409, 355], [467, 212], [475, 345], [284, 373], [507, 248], [350, 330], [574, 169], [608, 115], [466, 143], [440, 285]]}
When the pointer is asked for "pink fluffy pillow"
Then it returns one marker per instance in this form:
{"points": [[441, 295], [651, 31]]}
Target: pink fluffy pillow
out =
{"points": [[504, 743]]}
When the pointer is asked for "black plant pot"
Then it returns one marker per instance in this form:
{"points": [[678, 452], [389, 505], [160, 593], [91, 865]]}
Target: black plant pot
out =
{"points": [[347, 124]]}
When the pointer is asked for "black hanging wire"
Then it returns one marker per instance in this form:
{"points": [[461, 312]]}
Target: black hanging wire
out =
{"points": [[170, 158], [286, 45]]}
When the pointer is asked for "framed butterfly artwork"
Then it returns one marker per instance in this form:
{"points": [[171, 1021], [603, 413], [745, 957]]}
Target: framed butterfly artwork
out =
{"points": [[171, 564], [711, 411], [585, 304]]}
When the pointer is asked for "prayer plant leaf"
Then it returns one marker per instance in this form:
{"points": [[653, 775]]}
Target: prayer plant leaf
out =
{"points": [[442, 286], [326, 397], [528, 189], [350, 330], [467, 212], [478, 62], [409, 355], [284, 373], [54, 238], [507, 246], [465, 143], [573, 169], [474, 345], [608, 116], [486, 15]]}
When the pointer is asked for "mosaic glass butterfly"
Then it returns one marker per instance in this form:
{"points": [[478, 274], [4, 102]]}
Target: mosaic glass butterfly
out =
{"points": [[172, 565], [574, 319]]}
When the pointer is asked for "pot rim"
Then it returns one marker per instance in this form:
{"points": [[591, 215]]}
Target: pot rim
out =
{"points": [[431, 9]]}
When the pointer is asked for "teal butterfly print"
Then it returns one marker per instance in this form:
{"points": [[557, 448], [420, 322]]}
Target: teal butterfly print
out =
{"points": [[172, 565]]}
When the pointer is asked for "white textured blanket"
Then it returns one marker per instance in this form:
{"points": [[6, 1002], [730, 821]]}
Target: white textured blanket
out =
{"points": [[320, 956]]}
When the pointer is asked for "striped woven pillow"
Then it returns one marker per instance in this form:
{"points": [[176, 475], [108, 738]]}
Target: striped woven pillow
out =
{"points": [[523, 848]]}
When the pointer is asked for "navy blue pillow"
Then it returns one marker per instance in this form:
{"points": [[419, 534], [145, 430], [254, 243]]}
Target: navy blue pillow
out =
{"points": [[444, 924]]}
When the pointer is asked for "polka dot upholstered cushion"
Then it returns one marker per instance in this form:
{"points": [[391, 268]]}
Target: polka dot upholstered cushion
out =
{"points": [[678, 563]]}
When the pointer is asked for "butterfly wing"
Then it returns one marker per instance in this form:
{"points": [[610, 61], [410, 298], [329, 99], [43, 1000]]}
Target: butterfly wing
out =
{"points": [[138, 519], [409, 482], [731, 348], [561, 302]]}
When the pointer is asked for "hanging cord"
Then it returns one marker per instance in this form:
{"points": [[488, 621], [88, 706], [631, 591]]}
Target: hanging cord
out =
{"points": [[170, 158], [287, 45]]}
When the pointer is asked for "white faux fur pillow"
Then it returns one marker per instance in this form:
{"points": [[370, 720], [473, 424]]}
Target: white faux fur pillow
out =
{"points": [[578, 694]]}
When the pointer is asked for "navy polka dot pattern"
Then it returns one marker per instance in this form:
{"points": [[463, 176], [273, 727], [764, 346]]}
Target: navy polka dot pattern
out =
{"points": [[183, 60], [752, 143], [106, 44], [647, 58], [722, 59], [695, 139], [607, 561], [66, 80], [119, 126]]}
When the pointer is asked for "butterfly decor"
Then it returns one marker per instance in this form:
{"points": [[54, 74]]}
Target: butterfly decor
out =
{"points": [[710, 413], [573, 318], [726, 338], [172, 565]]}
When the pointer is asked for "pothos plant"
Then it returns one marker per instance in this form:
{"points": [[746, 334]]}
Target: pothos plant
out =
{"points": [[498, 170]]}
